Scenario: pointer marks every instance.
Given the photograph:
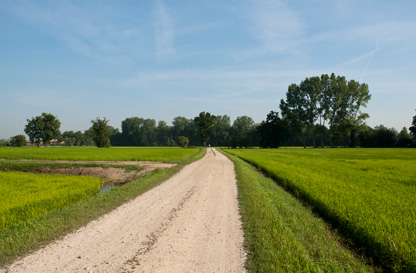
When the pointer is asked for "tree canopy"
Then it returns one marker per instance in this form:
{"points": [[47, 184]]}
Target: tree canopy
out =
{"points": [[42, 129], [18, 141], [206, 123], [412, 129], [274, 131], [101, 132], [326, 99]]}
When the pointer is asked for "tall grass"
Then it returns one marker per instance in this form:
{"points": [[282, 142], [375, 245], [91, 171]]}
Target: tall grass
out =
{"points": [[165, 154], [370, 194], [282, 235], [26, 195]]}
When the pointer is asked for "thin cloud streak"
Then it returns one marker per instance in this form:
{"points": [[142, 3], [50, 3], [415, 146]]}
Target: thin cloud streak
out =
{"points": [[164, 33], [276, 26]]}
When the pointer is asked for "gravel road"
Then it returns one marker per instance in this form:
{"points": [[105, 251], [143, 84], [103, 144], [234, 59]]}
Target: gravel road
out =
{"points": [[190, 223]]}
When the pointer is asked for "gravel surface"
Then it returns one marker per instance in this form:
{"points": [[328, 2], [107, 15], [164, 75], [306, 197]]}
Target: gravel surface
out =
{"points": [[190, 223]]}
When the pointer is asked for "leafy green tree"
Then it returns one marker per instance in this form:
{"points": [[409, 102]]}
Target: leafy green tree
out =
{"points": [[412, 129], [311, 89], [100, 132], [139, 132], [222, 130], [384, 137], [18, 141], [183, 141], [405, 139], [274, 131], [315, 101], [4, 142], [365, 137], [294, 112], [43, 129], [206, 125], [243, 132], [164, 134], [359, 95], [186, 127]]}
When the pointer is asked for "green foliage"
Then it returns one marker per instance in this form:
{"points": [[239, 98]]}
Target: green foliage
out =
{"points": [[183, 141], [42, 129], [282, 235], [243, 132], [77, 138], [404, 138], [368, 193], [274, 131], [100, 132], [206, 125], [326, 99], [4, 142], [26, 195], [18, 141], [412, 129], [167, 154]]}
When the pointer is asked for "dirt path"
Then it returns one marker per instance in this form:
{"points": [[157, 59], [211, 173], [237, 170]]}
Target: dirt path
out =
{"points": [[190, 223]]}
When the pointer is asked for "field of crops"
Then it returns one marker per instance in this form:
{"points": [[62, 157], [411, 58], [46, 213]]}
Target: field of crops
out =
{"points": [[168, 154], [370, 194], [27, 195]]}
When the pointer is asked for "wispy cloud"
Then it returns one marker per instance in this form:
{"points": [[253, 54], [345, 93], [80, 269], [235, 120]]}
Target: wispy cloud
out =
{"points": [[88, 29], [164, 32], [275, 25]]}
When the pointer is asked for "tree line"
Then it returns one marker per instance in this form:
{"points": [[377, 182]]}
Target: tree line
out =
{"points": [[319, 111]]}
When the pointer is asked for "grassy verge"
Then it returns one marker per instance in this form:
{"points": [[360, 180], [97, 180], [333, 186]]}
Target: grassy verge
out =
{"points": [[30, 235], [281, 235], [368, 194]]}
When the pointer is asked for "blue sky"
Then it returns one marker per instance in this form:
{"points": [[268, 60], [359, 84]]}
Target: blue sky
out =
{"points": [[160, 59]]}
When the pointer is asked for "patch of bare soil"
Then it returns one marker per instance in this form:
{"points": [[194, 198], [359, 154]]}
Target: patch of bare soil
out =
{"points": [[189, 223], [111, 175]]}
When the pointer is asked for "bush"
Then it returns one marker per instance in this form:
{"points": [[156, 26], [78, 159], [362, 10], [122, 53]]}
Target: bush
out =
{"points": [[18, 141], [183, 141]]}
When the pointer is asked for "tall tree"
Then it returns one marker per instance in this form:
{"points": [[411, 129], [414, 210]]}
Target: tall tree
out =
{"points": [[326, 99], [294, 112], [242, 131], [164, 137], [359, 95], [405, 139], [131, 131], [412, 129], [311, 89], [206, 125], [274, 131], [222, 130], [42, 129], [100, 132]]}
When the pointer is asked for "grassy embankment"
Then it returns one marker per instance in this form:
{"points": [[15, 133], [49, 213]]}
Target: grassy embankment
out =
{"points": [[28, 235], [367, 194], [282, 235]]}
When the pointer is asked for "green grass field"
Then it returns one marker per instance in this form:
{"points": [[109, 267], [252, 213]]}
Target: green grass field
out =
{"points": [[26, 195], [165, 154], [369, 194], [282, 235]]}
